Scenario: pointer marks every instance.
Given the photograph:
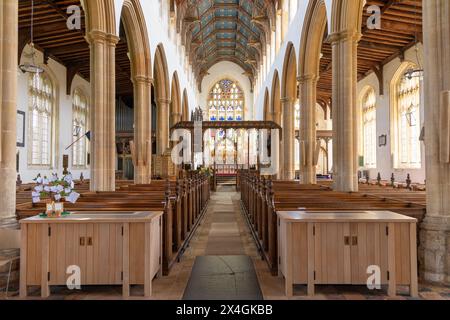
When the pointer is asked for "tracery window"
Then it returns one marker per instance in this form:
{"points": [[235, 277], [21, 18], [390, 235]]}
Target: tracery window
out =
{"points": [[369, 112], [42, 100], [225, 103], [79, 126], [408, 121]]}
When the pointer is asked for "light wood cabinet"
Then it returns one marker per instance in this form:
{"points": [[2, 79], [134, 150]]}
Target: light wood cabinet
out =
{"points": [[109, 249], [330, 248]]}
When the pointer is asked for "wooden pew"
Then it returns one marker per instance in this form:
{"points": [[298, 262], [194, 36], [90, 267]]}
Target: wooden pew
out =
{"points": [[182, 201], [262, 198]]}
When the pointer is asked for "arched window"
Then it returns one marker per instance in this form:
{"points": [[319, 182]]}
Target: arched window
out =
{"points": [[42, 100], [79, 128], [408, 123], [369, 113], [226, 102]]}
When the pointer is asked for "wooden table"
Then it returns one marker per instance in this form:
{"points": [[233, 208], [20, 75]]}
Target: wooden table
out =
{"points": [[117, 248], [337, 248]]}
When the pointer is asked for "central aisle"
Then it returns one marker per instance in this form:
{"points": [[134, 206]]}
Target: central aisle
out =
{"points": [[223, 271]]}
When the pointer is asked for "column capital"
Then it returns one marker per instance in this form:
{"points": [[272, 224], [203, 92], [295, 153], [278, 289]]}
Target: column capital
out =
{"points": [[287, 100], [101, 36], [344, 35], [307, 78], [142, 79], [164, 101]]}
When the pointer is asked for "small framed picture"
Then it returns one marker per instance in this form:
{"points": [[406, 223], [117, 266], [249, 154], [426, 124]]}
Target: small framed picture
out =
{"points": [[20, 129], [382, 140]]}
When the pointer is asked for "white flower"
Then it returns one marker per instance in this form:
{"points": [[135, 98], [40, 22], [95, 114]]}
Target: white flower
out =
{"points": [[73, 197], [68, 178], [36, 199]]}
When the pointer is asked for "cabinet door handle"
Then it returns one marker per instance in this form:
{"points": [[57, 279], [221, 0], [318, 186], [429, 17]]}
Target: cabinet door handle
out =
{"points": [[82, 241], [354, 241], [89, 242], [347, 240]]}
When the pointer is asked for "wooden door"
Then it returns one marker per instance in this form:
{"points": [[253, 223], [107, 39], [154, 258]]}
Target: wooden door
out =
{"points": [[66, 250], [331, 253], [104, 252], [369, 247]]}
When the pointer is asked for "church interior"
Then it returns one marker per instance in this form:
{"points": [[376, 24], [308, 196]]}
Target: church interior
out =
{"points": [[225, 149]]}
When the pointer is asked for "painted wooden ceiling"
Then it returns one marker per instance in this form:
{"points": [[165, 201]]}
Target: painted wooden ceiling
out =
{"points": [[225, 30]]}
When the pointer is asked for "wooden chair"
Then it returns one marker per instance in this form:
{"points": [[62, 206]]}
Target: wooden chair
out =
{"points": [[9, 239]]}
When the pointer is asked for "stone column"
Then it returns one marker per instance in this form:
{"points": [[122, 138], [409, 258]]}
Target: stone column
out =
{"points": [[175, 118], [103, 114], [142, 130], [308, 89], [162, 134], [345, 134], [9, 27], [288, 170], [434, 252]]}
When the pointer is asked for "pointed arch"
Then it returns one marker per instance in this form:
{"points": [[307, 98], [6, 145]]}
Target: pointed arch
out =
{"points": [[267, 113], [161, 74], [311, 40], [100, 16], [162, 94], [346, 16], [185, 106], [175, 100], [141, 76], [275, 102], [138, 40], [289, 77]]}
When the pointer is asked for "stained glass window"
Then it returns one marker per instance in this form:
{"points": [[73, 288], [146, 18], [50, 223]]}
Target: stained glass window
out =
{"points": [[226, 102]]}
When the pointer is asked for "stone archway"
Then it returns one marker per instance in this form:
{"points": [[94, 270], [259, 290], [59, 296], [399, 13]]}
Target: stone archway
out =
{"points": [[275, 104], [288, 98], [267, 113], [175, 101], [102, 38], [346, 21], [162, 93], [185, 107], [309, 62], [141, 76], [276, 112]]}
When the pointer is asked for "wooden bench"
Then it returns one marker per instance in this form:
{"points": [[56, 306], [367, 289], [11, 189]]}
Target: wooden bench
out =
{"points": [[183, 203], [262, 198]]}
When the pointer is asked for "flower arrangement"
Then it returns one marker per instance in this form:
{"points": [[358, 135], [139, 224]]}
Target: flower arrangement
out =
{"points": [[55, 189]]}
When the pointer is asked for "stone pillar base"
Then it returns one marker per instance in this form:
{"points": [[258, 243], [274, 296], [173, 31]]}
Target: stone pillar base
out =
{"points": [[434, 250]]}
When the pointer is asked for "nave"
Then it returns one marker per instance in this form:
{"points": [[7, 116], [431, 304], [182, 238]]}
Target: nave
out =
{"points": [[224, 240]]}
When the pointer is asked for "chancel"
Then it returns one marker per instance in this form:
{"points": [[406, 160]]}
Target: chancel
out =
{"points": [[224, 150]]}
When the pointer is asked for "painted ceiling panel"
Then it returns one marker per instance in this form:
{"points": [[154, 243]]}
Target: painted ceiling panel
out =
{"points": [[223, 30]]}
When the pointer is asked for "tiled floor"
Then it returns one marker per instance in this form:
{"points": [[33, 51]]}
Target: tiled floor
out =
{"points": [[224, 232]]}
